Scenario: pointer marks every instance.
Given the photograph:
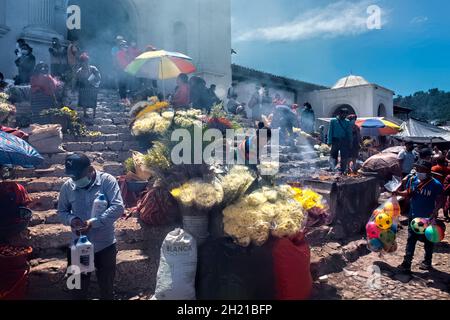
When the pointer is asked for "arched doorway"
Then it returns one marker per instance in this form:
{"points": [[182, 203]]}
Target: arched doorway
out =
{"points": [[101, 22], [382, 111], [348, 109]]}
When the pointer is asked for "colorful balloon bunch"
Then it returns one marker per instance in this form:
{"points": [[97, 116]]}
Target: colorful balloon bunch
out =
{"points": [[433, 230], [383, 226]]}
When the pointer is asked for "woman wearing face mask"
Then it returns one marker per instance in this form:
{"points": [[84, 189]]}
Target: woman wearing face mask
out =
{"points": [[425, 195], [25, 64]]}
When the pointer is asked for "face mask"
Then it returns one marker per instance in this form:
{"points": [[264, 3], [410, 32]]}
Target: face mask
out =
{"points": [[422, 176], [82, 183]]}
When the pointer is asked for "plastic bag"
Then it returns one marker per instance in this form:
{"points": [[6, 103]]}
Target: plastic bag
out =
{"points": [[47, 138], [382, 227]]}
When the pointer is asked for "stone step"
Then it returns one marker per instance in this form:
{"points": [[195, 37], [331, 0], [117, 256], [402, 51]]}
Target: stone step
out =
{"points": [[95, 157], [110, 129], [57, 170], [44, 217], [104, 137], [34, 185], [49, 239], [135, 273], [43, 201], [100, 146]]}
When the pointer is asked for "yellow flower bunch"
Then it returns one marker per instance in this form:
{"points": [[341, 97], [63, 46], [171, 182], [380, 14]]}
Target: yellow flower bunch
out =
{"points": [[188, 119], [199, 194], [153, 123], [264, 212], [157, 157], [308, 199], [236, 183], [152, 107], [4, 97]]}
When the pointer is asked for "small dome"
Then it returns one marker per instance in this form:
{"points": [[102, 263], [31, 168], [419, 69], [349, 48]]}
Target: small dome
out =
{"points": [[350, 81]]}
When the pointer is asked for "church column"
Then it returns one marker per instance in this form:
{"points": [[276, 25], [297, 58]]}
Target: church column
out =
{"points": [[41, 19], [3, 27]]}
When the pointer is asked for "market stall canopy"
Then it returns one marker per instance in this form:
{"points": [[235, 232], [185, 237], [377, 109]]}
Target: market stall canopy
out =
{"points": [[374, 127], [422, 132], [16, 152]]}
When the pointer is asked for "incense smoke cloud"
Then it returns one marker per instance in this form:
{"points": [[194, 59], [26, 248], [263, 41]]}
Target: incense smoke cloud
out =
{"points": [[341, 18]]}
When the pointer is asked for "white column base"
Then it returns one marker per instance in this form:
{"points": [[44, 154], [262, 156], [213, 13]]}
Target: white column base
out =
{"points": [[40, 34]]}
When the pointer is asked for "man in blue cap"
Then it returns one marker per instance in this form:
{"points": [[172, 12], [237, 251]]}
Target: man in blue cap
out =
{"points": [[75, 203], [425, 195]]}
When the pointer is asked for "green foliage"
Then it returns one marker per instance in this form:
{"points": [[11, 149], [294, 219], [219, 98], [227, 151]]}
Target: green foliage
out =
{"points": [[129, 165], [431, 105]]}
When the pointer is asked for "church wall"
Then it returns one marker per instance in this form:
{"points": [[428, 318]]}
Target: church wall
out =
{"points": [[364, 99], [385, 97], [206, 25]]}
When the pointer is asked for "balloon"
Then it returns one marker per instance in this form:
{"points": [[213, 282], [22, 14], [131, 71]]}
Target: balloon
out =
{"points": [[392, 209], [383, 221], [434, 234], [419, 225], [387, 238], [375, 245], [372, 230]]}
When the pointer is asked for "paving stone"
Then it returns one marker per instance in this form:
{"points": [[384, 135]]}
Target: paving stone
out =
{"points": [[115, 145]]}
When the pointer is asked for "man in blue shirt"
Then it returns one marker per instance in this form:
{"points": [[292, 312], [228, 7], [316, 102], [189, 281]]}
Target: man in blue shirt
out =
{"points": [[75, 203], [340, 137], [426, 198]]}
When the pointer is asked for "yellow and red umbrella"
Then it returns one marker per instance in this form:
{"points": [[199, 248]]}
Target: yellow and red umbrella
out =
{"points": [[377, 127]]}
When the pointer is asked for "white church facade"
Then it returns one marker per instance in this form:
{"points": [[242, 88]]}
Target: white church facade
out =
{"points": [[199, 28]]}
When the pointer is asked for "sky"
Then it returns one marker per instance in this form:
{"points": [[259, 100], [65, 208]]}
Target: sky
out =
{"points": [[321, 41]]}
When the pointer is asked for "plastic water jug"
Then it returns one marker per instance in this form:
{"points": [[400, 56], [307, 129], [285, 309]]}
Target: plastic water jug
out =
{"points": [[99, 207], [82, 255]]}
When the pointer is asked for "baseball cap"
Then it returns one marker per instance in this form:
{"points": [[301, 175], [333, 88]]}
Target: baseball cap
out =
{"points": [[76, 164]]}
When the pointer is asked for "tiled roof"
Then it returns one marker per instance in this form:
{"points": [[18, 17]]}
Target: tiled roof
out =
{"points": [[241, 72]]}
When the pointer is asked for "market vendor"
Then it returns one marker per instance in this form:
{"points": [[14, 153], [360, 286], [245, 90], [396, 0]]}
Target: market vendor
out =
{"points": [[13, 196], [181, 98], [340, 138], [74, 209], [249, 150], [425, 195]]}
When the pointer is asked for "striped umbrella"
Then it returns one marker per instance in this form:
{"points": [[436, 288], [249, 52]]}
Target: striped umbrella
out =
{"points": [[16, 152], [160, 65], [375, 127]]}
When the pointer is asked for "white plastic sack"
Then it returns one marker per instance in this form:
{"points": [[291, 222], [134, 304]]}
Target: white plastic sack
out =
{"points": [[197, 226], [177, 267], [46, 138]]}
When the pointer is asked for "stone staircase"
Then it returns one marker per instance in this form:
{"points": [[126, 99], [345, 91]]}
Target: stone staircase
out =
{"points": [[138, 245]]}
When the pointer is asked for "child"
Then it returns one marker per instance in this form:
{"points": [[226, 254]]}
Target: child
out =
{"points": [[426, 196]]}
